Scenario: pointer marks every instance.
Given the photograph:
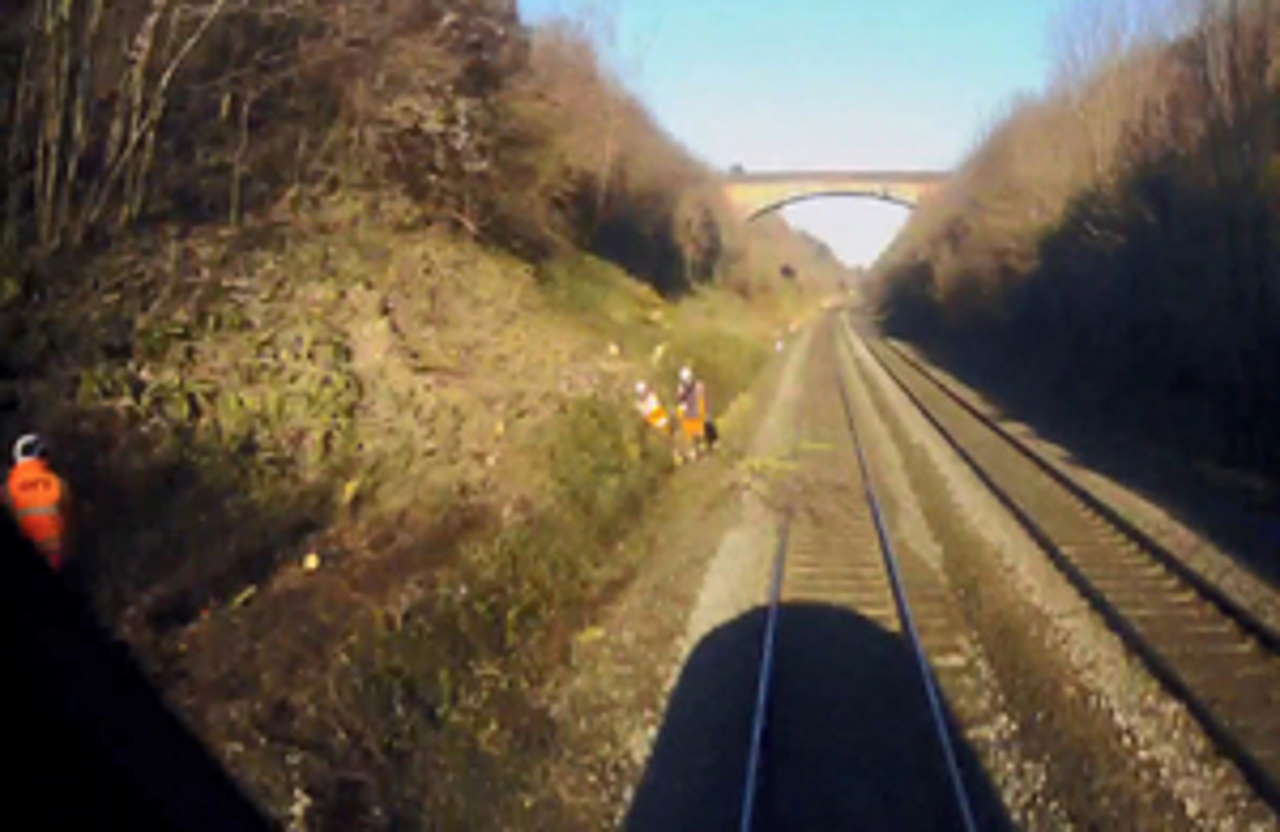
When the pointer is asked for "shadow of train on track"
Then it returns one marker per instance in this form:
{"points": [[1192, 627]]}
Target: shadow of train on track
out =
{"points": [[848, 745]]}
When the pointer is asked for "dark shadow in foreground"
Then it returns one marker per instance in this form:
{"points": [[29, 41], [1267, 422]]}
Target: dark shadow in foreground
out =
{"points": [[92, 745], [849, 742]]}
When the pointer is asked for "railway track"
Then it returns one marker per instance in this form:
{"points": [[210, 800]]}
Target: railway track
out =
{"points": [[1221, 661], [835, 555]]}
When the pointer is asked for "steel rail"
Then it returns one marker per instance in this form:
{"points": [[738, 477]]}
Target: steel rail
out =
{"points": [[1253, 770], [763, 681], [942, 727], [1266, 635], [933, 697]]}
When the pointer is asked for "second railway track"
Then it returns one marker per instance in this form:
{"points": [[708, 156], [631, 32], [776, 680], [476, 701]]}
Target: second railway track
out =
{"points": [[1209, 652]]}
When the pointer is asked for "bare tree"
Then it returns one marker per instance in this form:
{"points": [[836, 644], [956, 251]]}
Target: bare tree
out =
{"points": [[84, 117], [1107, 70]]}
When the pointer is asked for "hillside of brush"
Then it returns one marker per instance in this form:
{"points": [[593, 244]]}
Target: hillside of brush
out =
{"points": [[331, 312], [1118, 234]]}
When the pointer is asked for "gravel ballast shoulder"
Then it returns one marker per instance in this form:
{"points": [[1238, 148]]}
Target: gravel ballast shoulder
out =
{"points": [[1157, 747]]}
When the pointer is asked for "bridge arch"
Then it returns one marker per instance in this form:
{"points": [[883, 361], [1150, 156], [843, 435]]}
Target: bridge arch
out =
{"points": [[754, 195], [881, 196]]}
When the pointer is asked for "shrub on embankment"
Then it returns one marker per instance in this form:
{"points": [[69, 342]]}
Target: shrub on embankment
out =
{"points": [[1118, 234], [421, 711]]}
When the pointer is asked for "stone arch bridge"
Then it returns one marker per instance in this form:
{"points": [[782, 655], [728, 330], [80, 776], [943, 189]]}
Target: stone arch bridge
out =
{"points": [[753, 195]]}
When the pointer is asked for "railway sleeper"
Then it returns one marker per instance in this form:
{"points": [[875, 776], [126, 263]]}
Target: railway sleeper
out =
{"points": [[1098, 568], [1126, 598]]}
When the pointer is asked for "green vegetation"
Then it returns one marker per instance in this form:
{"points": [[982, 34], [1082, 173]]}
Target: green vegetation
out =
{"points": [[517, 596], [1119, 233], [723, 336], [365, 287]]}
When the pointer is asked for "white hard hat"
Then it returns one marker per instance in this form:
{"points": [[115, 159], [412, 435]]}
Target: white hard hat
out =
{"points": [[28, 446], [641, 388], [686, 374]]}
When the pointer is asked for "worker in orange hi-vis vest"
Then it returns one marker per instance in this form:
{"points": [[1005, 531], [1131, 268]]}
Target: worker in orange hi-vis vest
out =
{"points": [[38, 499], [651, 408], [691, 398]]}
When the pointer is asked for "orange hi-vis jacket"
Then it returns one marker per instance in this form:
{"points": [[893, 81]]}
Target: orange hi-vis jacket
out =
{"points": [[693, 409], [36, 496], [654, 413]]}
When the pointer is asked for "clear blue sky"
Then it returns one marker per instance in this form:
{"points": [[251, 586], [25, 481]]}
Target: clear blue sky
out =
{"points": [[802, 84]]}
